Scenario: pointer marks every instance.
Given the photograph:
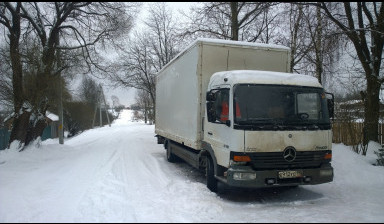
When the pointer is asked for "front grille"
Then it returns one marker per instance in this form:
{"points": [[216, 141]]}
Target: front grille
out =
{"points": [[275, 160]]}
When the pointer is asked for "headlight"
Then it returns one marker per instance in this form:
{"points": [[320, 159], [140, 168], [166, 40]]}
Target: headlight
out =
{"points": [[327, 172], [244, 176]]}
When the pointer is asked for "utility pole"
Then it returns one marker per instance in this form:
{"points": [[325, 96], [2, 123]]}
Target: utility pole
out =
{"points": [[61, 120], [101, 98], [106, 111], [101, 119]]}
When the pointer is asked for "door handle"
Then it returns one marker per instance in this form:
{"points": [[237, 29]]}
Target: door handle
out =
{"points": [[210, 133]]}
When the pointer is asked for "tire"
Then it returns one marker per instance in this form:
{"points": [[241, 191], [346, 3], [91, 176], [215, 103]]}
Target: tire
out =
{"points": [[210, 173], [170, 156]]}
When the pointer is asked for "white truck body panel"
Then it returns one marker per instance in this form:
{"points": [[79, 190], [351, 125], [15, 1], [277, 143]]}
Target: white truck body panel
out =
{"points": [[177, 100], [182, 84], [279, 140]]}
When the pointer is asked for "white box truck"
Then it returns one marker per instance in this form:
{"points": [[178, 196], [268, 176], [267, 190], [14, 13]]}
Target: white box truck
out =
{"points": [[232, 108]]}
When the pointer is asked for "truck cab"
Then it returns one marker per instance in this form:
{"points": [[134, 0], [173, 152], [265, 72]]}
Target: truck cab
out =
{"points": [[264, 129]]}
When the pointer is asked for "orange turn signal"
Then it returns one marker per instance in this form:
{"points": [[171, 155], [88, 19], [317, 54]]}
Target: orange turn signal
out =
{"points": [[241, 158], [328, 156]]}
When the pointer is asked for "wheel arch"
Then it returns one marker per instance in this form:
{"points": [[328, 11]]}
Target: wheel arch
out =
{"points": [[210, 153]]}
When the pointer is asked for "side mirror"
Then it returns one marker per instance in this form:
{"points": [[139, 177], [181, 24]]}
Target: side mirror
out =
{"points": [[331, 105], [211, 96], [331, 108], [211, 113]]}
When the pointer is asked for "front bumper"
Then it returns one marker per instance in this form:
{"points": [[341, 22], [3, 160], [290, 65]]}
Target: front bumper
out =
{"points": [[245, 176]]}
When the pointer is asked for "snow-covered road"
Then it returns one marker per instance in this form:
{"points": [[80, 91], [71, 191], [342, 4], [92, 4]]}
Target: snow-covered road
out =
{"points": [[120, 174]]}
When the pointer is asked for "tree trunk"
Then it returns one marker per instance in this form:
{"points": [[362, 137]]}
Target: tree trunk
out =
{"points": [[145, 113], [153, 98], [20, 121], [294, 34], [371, 113], [234, 21], [319, 48], [19, 129], [36, 131]]}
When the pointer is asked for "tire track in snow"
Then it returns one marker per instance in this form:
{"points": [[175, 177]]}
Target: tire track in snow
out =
{"points": [[158, 189], [135, 185], [107, 200], [110, 199]]}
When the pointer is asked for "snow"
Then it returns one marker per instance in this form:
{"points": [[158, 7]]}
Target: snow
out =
{"points": [[26, 107], [9, 117], [240, 43], [263, 77], [52, 116], [120, 174]]}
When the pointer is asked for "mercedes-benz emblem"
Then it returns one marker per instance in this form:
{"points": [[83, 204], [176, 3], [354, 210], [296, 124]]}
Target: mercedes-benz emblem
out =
{"points": [[289, 154]]}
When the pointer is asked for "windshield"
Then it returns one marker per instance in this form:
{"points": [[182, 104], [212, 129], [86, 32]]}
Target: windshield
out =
{"points": [[279, 105]]}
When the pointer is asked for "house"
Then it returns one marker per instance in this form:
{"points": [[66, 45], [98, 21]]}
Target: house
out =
{"points": [[51, 131]]}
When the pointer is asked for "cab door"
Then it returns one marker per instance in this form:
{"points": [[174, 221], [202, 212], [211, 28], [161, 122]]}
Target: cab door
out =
{"points": [[218, 125]]}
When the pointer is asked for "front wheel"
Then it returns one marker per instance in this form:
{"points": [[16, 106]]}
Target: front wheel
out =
{"points": [[210, 173]]}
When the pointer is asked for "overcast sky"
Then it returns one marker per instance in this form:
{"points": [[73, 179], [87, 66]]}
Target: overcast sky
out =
{"points": [[127, 95]]}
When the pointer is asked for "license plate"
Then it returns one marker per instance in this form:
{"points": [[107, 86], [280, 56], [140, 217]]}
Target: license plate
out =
{"points": [[289, 174]]}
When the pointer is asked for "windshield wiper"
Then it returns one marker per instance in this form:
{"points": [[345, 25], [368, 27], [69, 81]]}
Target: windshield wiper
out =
{"points": [[278, 124], [305, 126], [264, 123], [266, 120]]}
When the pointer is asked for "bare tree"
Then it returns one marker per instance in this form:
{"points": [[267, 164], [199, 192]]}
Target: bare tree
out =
{"points": [[295, 37], [138, 66], [247, 21], [6, 95], [163, 33], [10, 18], [115, 101], [326, 43], [143, 100], [89, 91], [76, 29], [149, 51], [314, 41], [363, 24]]}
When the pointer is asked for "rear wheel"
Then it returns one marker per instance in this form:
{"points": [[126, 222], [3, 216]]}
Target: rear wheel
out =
{"points": [[210, 173], [170, 156]]}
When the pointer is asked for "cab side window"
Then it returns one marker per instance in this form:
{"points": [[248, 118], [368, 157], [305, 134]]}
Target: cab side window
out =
{"points": [[221, 105]]}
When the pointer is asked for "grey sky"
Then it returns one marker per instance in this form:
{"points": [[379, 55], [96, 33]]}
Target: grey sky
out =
{"points": [[127, 95]]}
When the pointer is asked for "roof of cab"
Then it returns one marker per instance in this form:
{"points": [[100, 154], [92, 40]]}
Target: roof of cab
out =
{"points": [[261, 77]]}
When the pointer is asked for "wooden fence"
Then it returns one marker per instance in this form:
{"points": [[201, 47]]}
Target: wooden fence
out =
{"points": [[4, 138], [350, 133], [49, 132]]}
